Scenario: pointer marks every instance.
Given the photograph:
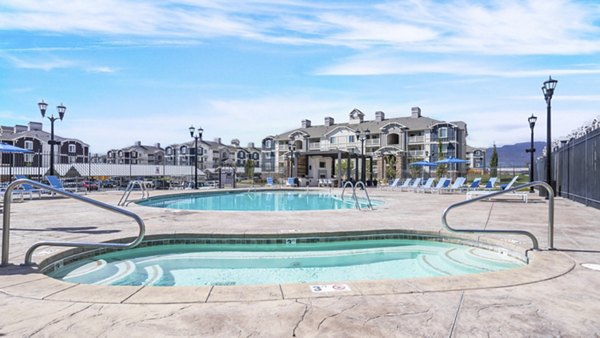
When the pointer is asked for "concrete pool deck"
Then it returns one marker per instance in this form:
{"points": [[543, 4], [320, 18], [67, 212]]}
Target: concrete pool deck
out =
{"points": [[553, 296]]}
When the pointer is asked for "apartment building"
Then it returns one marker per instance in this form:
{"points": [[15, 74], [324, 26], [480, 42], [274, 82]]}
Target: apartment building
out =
{"points": [[387, 145], [34, 138]]}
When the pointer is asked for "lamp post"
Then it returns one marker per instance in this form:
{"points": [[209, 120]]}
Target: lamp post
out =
{"points": [[292, 150], [548, 90], [196, 136], [61, 114], [532, 119], [362, 136]]}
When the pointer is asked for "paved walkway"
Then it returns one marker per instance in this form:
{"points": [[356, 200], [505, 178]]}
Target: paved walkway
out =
{"points": [[553, 296]]}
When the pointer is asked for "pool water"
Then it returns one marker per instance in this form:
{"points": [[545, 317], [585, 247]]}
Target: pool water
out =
{"points": [[254, 201], [252, 264]]}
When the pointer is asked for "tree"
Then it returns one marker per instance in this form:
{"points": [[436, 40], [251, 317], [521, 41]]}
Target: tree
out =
{"points": [[249, 169], [344, 167], [390, 166], [494, 163], [440, 171]]}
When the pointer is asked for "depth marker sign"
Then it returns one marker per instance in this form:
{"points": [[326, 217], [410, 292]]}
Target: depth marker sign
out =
{"points": [[329, 288]]}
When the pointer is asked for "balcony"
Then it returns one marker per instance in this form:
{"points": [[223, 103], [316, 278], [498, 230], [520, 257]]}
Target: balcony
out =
{"points": [[376, 142], [314, 146], [416, 139], [416, 153]]}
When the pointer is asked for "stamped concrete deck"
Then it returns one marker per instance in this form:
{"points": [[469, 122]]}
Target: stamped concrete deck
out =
{"points": [[553, 296]]}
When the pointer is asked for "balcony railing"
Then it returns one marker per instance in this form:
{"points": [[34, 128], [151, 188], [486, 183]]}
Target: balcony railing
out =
{"points": [[416, 153], [416, 139], [314, 146]]}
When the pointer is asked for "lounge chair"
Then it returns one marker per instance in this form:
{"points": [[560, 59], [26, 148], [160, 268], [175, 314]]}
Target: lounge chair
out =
{"points": [[291, 182], [56, 183], [442, 183], [491, 183], [270, 181], [474, 185], [26, 189], [406, 184], [425, 186], [393, 184], [456, 186], [415, 184], [522, 195]]}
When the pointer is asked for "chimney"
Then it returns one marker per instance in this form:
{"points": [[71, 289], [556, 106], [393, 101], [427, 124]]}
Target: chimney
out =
{"points": [[157, 145], [20, 128], [138, 143], [329, 121], [250, 144], [379, 116], [217, 140], [235, 142], [305, 123], [415, 112], [33, 126]]}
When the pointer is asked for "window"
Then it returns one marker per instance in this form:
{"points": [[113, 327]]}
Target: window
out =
{"points": [[443, 132], [29, 145], [268, 144], [332, 140], [169, 150], [351, 138], [72, 149], [322, 164]]}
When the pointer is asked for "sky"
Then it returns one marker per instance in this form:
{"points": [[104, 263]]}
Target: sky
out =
{"points": [[146, 70]]}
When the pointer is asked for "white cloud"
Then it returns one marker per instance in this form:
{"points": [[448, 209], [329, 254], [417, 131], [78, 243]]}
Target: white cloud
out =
{"points": [[498, 27]]}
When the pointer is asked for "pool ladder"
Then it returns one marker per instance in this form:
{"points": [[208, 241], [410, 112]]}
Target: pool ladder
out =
{"points": [[124, 201], [29, 254], [354, 197]]}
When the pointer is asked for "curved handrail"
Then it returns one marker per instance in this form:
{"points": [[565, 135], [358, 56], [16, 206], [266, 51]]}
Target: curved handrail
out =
{"points": [[370, 205], [6, 220], [347, 183], [514, 232], [124, 201]]}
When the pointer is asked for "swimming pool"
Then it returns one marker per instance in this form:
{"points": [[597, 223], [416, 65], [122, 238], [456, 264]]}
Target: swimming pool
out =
{"points": [[269, 200], [279, 261]]}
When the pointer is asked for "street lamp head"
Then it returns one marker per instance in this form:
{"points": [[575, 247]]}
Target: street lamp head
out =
{"points": [[367, 132], [200, 131], [192, 130], [61, 111], [43, 105], [532, 119], [548, 87]]}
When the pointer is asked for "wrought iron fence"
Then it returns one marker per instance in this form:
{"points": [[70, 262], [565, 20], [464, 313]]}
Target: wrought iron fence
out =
{"points": [[576, 169]]}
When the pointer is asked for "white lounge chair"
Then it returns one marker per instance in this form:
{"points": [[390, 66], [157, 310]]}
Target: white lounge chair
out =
{"points": [[427, 185], [522, 195], [456, 186], [444, 181], [413, 186]]}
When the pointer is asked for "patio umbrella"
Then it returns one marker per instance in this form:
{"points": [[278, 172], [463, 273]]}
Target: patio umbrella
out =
{"points": [[424, 164], [7, 148], [451, 160]]}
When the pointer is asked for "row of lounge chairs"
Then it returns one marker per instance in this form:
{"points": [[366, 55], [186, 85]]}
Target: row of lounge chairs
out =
{"points": [[444, 185]]}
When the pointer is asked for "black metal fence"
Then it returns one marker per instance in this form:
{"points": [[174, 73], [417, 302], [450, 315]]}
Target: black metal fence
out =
{"points": [[576, 169]]}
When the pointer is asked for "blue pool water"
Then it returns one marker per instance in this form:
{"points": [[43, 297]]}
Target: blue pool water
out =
{"points": [[253, 201], [252, 264]]}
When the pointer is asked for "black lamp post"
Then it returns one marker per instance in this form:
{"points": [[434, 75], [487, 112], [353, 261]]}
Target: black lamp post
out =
{"points": [[532, 119], [61, 114], [292, 150], [548, 90], [196, 137], [362, 136]]}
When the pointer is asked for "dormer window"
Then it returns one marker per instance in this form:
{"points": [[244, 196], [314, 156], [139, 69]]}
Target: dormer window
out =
{"points": [[443, 132], [72, 148]]}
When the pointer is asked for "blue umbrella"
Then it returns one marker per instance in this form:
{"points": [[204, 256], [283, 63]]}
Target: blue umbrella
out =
{"points": [[7, 148], [451, 160], [424, 164]]}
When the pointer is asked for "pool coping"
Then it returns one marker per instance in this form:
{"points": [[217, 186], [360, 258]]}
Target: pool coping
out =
{"points": [[29, 282]]}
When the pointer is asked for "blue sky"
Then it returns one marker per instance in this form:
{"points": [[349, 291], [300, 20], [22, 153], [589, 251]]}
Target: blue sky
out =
{"points": [[131, 70]]}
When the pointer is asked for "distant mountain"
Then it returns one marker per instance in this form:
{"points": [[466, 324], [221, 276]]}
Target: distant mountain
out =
{"points": [[514, 155]]}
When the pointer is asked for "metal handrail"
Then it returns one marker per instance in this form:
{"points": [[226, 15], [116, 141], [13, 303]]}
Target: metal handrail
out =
{"points": [[6, 223], [125, 198], [514, 232], [354, 186], [370, 205]]}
